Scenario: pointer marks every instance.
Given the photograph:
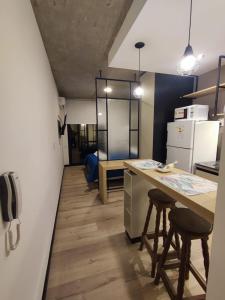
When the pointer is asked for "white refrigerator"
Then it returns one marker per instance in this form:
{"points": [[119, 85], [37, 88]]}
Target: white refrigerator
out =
{"points": [[190, 142]]}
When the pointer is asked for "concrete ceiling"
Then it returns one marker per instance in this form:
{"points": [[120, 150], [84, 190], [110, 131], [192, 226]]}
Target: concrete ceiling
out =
{"points": [[163, 26], [78, 35]]}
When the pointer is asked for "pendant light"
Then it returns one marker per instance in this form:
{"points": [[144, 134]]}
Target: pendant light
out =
{"points": [[138, 91], [189, 62]]}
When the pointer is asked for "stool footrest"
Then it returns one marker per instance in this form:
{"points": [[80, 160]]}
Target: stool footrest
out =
{"points": [[171, 254], [170, 289], [171, 265], [193, 270], [168, 285], [151, 235], [198, 276], [197, 297]]}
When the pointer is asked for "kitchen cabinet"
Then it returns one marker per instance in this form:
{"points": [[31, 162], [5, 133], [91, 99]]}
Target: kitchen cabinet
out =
{"points": [[207, 175], [136, 204]]}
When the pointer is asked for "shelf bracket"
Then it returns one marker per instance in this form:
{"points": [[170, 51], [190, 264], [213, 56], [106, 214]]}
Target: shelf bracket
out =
{"points": [[218, 86]]}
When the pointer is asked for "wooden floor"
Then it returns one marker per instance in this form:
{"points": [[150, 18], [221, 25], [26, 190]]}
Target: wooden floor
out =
{"points": [[92, 258]]}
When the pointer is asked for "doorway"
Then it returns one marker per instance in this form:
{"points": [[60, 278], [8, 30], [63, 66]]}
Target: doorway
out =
{"points": [[81, 142]]}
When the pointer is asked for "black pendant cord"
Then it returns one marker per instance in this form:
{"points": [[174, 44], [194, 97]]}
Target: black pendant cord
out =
{"points": [[189, 33], [139, 46], [139, 70]]}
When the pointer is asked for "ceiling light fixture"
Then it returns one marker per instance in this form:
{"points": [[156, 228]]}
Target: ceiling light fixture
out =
{"points": [[189, 62], [108, 89], [139, 91]]}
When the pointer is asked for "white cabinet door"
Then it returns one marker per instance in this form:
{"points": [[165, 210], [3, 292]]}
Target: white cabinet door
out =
{"points": [[206, 141], [136, 203], [207, 175], [182, 156], [180, 134]]}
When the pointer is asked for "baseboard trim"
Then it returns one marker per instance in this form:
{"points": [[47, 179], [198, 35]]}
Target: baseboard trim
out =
{"points": [[133, 240], [44, 294]]}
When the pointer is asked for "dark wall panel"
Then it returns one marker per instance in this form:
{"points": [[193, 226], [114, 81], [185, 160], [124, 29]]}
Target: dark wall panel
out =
{"points": [[168, 89]]}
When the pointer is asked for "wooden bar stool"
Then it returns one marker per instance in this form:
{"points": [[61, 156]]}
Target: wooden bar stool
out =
{"points": [[190, 227], [161, 202]]}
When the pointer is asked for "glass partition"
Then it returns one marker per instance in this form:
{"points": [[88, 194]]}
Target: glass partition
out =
{"points": [[101, 117], [134, 117], [119, 89], [117, 119], [134, 144], [81, 142], [118, 129], [102, 145]]}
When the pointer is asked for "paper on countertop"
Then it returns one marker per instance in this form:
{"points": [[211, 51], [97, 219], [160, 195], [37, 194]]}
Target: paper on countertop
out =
{"points": [[189, 184], [146, 164]]}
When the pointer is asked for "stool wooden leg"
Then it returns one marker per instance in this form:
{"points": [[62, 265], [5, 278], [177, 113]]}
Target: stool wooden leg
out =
{"points": [[164, 254], [156, 242], [145, 230], [164, 231], [205, 252], [177, 243], [182, 270], [188, 263]]}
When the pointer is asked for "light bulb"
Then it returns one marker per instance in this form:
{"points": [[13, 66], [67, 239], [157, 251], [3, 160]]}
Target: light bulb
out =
{"points": [[138, 92], [108, 89], [189, 62], [188, 65]]}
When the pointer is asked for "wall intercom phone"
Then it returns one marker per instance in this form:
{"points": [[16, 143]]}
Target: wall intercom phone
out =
{"points": [[11, 203]]}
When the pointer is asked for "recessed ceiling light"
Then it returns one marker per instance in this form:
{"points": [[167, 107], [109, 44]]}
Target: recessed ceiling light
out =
{"points": [[108, 89], [100, 114]]}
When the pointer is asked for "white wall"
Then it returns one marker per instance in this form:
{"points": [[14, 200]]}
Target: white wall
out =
{"points": [[81, 111], [29, 146], [216, 286], [147, 115], [206, 80]]}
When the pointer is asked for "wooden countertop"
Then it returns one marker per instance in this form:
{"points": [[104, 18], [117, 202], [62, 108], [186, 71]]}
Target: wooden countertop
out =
{"points": [[113, 164], [203, 204]]}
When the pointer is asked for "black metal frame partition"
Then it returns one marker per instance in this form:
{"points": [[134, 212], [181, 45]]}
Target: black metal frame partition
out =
{"points": [[106, 97]]}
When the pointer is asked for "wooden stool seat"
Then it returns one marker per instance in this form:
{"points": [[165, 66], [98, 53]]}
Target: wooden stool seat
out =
{"points": [[187, 222], [190, 227], [160, 197], [162, 202]]}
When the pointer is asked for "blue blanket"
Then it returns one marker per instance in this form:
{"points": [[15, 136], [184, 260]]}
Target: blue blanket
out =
{"points": [[91, 163]]}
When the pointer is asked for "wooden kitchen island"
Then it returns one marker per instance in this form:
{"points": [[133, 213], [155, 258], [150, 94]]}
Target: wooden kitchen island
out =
{"points": [[203, 204]]}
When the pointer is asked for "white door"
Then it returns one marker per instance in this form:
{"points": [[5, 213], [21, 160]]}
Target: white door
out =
{"points": [[182, 156], [180, 134]]}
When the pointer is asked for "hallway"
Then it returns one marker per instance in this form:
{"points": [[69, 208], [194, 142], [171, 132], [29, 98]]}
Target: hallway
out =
{"points": [[92, 259]]}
